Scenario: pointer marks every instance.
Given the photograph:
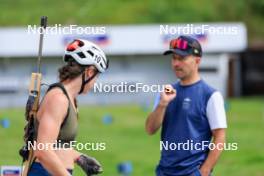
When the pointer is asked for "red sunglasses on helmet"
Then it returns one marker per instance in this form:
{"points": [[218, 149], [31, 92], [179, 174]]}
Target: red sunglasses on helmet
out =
{"points": [[74, 45]]}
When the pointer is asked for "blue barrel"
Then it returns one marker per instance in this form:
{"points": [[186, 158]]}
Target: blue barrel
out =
{"points": [[125, 168], [5, 123], [107, 119]]}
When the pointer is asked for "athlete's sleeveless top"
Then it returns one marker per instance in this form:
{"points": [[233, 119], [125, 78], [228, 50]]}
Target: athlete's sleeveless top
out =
{"points": [[68, 129]]}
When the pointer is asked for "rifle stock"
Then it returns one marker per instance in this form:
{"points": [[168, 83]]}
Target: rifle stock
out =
{"points": [[34, 90], [34, 94]]}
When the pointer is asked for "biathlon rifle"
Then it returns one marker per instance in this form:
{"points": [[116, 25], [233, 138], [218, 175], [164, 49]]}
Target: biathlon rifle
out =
{"points": [[33, 104]]}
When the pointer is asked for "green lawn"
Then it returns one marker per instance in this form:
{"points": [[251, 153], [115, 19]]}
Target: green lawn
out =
{"points": [[126, 140]]}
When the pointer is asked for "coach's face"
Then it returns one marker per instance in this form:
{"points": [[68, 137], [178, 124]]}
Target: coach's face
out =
{"points": [[185, 67]]}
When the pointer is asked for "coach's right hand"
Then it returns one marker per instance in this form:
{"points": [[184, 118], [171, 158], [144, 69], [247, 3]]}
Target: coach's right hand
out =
{"points": [[167, 95], [155, 118]]}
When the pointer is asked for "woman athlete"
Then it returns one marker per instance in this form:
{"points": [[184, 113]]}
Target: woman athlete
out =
{"points": [[57, 117]]}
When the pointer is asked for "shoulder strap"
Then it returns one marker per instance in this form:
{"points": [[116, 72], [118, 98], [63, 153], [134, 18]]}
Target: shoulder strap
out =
{"points": [[60, 85]]}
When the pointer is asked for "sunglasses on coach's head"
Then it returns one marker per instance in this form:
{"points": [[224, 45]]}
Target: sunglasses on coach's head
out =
{"points": [[184, 45], [179, 44]]}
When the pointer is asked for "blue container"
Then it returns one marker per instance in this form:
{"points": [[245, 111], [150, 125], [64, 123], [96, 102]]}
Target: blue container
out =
{"points": [[5, 123], [125, 168], [107, 119]]}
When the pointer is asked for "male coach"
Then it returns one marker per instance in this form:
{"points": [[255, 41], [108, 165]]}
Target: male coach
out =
{"points": [[191, 113]]}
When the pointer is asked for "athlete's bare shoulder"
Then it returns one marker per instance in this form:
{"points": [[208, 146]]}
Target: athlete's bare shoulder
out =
{"points": [[56, 96], [55, 103]]}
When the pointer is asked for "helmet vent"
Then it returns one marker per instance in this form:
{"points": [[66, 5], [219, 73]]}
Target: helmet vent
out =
{"points": [[68, 58], [95, 48], [90, 52], [81, 55]]}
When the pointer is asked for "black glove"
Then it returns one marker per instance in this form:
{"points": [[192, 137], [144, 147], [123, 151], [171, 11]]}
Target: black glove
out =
{"points": [[89, 165]]}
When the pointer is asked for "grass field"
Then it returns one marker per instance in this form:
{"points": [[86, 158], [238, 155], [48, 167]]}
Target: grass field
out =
{"points": [[126, 140]]}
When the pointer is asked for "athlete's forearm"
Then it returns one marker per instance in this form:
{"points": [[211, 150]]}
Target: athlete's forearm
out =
{"points": [[155, 119], [75, 155], [52, 163]]}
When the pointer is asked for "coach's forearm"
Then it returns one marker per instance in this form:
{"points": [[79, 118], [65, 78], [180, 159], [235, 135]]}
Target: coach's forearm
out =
{"points": [[155, 119], [214, 154]]}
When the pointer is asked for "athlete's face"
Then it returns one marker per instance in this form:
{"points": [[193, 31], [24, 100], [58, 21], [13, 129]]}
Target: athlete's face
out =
{"points": [[185, 67]]}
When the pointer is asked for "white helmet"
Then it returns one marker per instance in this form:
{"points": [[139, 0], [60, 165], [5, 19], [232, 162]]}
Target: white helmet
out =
{"points": [[86, 53]]}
